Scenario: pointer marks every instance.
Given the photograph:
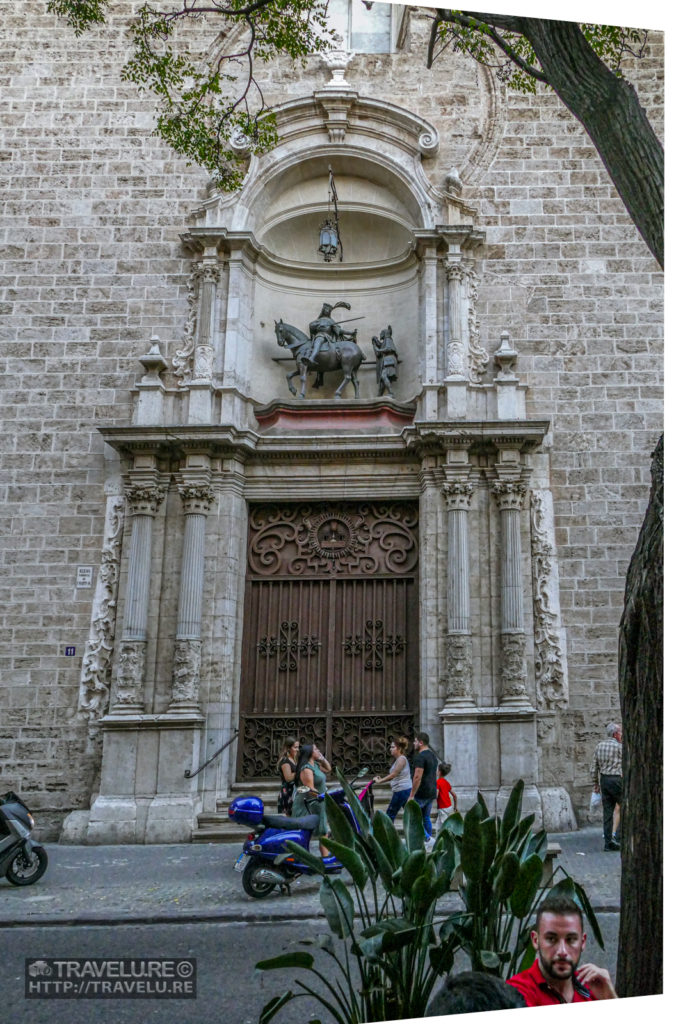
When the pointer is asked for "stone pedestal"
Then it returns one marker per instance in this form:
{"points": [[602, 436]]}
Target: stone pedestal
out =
{"points": [[144, 796]]}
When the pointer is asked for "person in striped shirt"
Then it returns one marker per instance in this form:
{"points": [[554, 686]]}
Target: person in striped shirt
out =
{"points": [[606, 775]]}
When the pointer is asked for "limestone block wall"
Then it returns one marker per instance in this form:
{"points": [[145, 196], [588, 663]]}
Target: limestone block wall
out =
{"points": [[92, 265]]}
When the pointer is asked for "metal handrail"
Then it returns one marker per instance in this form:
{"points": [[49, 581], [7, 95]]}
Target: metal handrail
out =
{"points": [[191, 775]]}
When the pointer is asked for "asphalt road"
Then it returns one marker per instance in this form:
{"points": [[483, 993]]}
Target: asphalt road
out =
{"points": [[229, 990]]}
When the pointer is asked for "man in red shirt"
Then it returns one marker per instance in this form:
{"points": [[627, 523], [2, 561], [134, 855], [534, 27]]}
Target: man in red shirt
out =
{"points": [[555, 976]]}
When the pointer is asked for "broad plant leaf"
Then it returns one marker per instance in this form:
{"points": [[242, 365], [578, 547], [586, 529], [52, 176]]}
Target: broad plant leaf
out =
{"points": [[526, 887], [337, 904], [512, 812], [340, 827], [351, 861], [274, 1005], [413, 829], [302, 854], [296, 958]]}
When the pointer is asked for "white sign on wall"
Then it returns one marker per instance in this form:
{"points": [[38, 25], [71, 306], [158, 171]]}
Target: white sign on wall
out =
{"points": [[83, 576]]}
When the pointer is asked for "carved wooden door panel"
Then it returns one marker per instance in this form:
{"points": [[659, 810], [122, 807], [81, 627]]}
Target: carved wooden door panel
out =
{"points": [[330, 650]]}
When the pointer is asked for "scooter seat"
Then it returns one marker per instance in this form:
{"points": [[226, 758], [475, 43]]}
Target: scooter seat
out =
{"points": [[308, 822]]}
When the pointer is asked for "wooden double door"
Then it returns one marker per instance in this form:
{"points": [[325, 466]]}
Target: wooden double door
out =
{"points": [[330, 650]]}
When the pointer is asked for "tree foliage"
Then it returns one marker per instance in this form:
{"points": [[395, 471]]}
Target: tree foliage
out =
{"points": [[209, 99]]}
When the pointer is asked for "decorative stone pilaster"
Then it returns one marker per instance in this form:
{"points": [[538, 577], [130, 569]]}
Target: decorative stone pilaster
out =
{"points": [[457, 368], [182, 360], [509, 496], [196, 500], [459, 641], [96, 669], [209, 272], [143, 500], [549, 655]]}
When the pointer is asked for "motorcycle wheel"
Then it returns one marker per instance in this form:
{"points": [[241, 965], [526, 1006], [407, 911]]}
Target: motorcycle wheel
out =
{"points": [[26, 870], [257, 890]]}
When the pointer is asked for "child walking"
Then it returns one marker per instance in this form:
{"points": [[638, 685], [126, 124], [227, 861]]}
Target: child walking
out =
{"points": [[446, 800]]}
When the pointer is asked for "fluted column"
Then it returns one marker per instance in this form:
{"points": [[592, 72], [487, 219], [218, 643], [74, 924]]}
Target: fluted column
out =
{"points": [[509, 497], [196, 500], [209, 272], [143, 500], [459, 639]]}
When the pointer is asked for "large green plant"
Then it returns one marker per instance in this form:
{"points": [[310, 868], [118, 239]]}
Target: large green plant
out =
{"points": [[390, 953], [502, 869]]}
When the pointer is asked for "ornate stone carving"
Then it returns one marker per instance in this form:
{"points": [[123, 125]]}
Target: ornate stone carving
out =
{"points": [[182, 360], [428, 143], [203, 363], [459, 665], [196, 498], [509, 494], [478, 357], [186, 664], [130, 674], [144, 499], [551, 682], [506, 358], [340, 539], [96, 669], [458, 494], [337, 61], [513, 668]]}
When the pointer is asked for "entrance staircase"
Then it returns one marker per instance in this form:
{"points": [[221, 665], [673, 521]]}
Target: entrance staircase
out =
{"points": [[216, 827]]}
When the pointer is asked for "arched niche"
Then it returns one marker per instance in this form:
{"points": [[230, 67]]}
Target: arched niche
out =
{"points": [[386, 203]]}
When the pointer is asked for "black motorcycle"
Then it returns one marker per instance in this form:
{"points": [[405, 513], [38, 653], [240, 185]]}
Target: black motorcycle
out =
{"points": [[22, 860]]}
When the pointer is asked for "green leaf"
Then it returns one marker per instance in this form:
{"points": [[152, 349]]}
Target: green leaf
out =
{"points": [[512, 811], [413, 829], [337, 904], [413, 867], [454, 823], [339, 824], [528, 958], [506, 876], [355, 805], [526, 887], [587, 908], [472, 847], [385, 832], [393, 934], [297, 958], [304, 855], [274, 1005], [385, 869], [351, 861], [489, 843], [489, 959]]}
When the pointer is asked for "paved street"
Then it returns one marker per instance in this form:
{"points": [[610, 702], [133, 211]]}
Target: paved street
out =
{"points": [[187, 901]]}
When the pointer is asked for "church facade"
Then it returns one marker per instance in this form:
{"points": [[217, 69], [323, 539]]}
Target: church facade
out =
{"points": [[200, 560]]}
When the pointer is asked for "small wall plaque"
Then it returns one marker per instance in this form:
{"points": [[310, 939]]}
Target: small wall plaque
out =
{"points": [[83, 577], [70, 652]]}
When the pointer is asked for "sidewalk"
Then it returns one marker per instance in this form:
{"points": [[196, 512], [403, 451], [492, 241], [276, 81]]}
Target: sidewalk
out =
{"points": [[149, 884]]}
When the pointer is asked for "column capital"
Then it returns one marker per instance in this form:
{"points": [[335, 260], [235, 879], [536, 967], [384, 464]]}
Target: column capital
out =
{"points": [[196, 498], [144, 498], [509, 494], [458, 494]]}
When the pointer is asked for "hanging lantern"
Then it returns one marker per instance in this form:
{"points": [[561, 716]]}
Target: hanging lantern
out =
{"points": [[330, 240]]}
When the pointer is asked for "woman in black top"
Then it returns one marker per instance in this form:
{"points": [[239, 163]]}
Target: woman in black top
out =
{"points": [[286, 767]]}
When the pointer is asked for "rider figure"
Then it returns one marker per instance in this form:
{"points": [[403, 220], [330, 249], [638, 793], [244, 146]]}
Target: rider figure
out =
{"points": [[324, 329]]}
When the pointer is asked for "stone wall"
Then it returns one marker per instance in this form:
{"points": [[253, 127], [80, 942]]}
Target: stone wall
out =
{"points": [[92, 265]]}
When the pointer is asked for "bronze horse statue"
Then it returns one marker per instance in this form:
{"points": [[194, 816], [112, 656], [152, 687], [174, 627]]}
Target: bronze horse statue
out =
{"points": [[340, 355]]}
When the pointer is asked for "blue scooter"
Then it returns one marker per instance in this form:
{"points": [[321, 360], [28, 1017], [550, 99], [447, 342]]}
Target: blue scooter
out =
{"points": [[260, 874]]}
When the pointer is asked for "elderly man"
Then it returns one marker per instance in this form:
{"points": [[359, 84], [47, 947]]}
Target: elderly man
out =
{"points": [[555, 976], [606, 775]]}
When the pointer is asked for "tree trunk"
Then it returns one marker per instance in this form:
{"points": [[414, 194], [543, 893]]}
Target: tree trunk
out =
{"points": [[610, 111], [639, 968]]}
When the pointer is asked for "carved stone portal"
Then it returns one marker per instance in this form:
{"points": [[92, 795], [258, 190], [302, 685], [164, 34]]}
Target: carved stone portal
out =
{"points": [[186, 665]]}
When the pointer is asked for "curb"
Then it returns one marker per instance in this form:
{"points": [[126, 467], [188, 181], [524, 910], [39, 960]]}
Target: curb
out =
{"points": [[191, 917]]}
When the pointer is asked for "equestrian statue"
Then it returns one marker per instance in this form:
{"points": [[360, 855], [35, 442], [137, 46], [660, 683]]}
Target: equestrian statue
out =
{"points": [[327, 347]]}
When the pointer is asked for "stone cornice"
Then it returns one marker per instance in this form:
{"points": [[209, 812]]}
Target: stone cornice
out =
{"points": [[484, 435]]}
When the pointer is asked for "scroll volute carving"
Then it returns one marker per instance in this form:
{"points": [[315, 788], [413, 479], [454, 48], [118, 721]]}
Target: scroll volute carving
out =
{"points": [[336, 539]]}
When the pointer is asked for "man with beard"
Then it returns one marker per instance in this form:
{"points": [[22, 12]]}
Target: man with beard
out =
{"points": [[555, 976]]}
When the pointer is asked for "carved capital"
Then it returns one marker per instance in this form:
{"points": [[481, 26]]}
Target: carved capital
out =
{"points": [[196, 498], [513, 669], [128, 694], [144, 499], [458, 494], [459, 664], [209, 271], [509, 494], [186, 665]]}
